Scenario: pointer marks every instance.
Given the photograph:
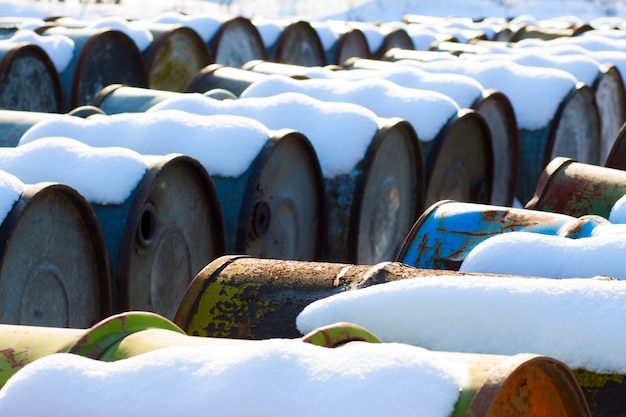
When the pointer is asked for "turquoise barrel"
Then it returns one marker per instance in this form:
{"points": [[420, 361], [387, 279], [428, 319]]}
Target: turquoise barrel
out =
{"points": [[236, 42], [101, 57], [448, 230], [54, 268], [14, 123], [576, 189], [214, 76], [42, 93], [174, 56]]}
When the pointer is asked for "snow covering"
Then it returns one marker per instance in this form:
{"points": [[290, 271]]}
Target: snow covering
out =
{"points": [[535, 93], [59, 48], [277, 377], [427, 111], [575, 320], [583, 67], [225, 145], [535, 254], [205, 25], [618, 211], [339, 132], [11, 188], [101, 175], [134, 29]]}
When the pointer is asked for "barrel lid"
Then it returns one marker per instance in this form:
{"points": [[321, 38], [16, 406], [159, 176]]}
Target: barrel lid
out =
{"points": [[236, 42], [300, 44], [459, 165], [174, 228], [397, 38], [617, 156], [282, 214], [351, 44], [610, 95], [389, 193], [498, 112], [53, 229], [43, 93]]}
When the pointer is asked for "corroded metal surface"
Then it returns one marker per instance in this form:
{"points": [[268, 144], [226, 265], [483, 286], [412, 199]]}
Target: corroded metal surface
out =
{"points": [[251, 298], [605, 393], [577, 189]]}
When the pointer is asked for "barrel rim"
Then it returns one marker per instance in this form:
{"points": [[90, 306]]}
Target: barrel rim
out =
{"points": [[545, 180], [309, 31], [215, 41]]}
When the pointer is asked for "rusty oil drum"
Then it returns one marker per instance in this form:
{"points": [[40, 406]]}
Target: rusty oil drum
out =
{"points": [[577, 189], [236, 42], [101, 57], [174, 57], [54, 269], [42, 93], [448, 230]]}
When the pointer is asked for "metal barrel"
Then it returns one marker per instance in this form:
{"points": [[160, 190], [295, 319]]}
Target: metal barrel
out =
{"points": [[236, 42], [162, 235], [174, 57], [213, 76], [576, 189], [243, 297], [53, 267], [299, 44], [617, 155], [352, 43], [574, 132], [498, 112], [448, 230], [43, 91], [14, 123], [129, 334], [119, 98], [610, 95], [101, 57], [396, 38], [530, 31], [275, 208], [459, 160], [369, 210]]}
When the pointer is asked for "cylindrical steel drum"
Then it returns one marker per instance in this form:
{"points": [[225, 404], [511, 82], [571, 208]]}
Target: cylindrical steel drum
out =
{"points": [[231, 79], [236, 42], [42, 92], [164, 233], [299, 44], [498, 112], [576, 189], [349, 43], [459, 161], [448, 230], [530, 31], [174, 57], [242, 297], [101, 57], [574, 132], [118, 98], [14, 123], [610, 95], [396, 38], [370, 209], [54, 269], [617, 156], [275, 208]]}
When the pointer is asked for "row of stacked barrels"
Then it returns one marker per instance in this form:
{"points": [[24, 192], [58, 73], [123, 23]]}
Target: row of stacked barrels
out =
{"points": [[72, 258]]}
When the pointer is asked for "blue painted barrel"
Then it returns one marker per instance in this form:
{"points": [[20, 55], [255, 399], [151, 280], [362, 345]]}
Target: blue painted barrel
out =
{"points": [[54, 269], [448, 230]]}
